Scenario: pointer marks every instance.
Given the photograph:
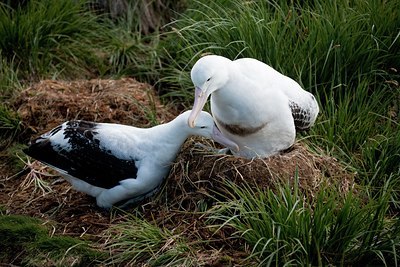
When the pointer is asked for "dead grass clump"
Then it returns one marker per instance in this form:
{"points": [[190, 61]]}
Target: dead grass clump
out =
{"points": [[197, 173], [40, 192], [48, 103]]}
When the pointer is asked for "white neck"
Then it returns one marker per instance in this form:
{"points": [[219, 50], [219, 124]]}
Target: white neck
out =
{"points": [[175, 131]]}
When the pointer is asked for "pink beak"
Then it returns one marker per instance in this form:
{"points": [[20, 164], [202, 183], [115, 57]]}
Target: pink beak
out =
{"points": [[200, 99]]}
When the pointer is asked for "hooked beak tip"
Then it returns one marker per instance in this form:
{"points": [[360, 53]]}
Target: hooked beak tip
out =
{"points": [[192, 119], [236, 148], [191, 123]]}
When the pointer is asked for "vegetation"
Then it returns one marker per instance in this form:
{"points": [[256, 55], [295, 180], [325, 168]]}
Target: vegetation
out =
{"points": [[26, 241], [347, 53], [137, 240], [45, 39], [335, 229], [10, 125]]}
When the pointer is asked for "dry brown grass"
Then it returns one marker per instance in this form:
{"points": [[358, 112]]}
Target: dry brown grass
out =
{"points": [[200, 171], [49, 103]]}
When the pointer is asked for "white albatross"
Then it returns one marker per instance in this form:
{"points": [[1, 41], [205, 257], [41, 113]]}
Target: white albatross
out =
{"points": [[114, 162], [252, 104]]}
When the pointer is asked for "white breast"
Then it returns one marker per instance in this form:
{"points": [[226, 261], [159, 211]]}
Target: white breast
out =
{"points": [[254, 108]]}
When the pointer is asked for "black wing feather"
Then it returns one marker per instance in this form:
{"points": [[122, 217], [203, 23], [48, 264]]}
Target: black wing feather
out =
{"points": [[86, 160], [301, 117]]}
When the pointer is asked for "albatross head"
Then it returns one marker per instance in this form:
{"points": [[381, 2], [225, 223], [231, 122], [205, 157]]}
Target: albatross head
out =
{"points": [[209, 74], [206, 127]]}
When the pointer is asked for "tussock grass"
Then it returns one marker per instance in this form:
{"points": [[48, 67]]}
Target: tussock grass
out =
{"points": [[283, 228], [129, 52], [46, 37], [356, 128], [63, 39], [312, 43], [26, 241], [137, 241], [10, 125], [8, 78]]}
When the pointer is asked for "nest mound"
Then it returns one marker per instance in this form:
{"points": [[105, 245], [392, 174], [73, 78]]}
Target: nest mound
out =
{"points": [[48, 103], [198, 174], [198, 178]]}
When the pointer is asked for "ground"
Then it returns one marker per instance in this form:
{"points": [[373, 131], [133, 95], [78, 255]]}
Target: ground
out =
{"points": [[194, 183]]}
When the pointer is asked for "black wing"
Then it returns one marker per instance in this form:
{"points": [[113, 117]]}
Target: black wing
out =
{"points": [[302, 117], [80, 155]]}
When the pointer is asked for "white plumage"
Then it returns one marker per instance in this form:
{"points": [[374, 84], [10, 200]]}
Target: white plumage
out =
{"points": [[252, 104], [114, 162]]}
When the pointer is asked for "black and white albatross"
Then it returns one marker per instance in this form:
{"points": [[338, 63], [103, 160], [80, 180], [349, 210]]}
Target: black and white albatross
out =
{"points": [[114, 162], [252, 104]]}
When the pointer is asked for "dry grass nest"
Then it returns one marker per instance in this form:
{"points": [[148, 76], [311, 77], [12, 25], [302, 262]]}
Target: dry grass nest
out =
{"points": [[198, 173], [48, 103]]}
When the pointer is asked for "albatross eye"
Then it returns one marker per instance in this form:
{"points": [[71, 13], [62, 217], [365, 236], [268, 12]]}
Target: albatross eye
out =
{"points": [[208, 79]]}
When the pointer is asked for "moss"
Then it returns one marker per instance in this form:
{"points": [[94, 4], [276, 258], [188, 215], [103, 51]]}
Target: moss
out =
{"points": [[60, 248], [16, 232], [26, 241], [18, 228]]}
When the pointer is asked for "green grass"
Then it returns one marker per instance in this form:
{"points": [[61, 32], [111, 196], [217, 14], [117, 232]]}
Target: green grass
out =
{"points": [[63, 39], [10, 125], [139, 242], [129, 52], [356, 128], [9, 82], [26, 241], [282, 228], [307, 43], [45, 38]]}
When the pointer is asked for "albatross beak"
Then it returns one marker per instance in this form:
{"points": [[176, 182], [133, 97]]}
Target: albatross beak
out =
{"points": [[200, 99], [223, 140]]}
